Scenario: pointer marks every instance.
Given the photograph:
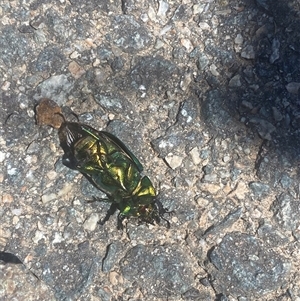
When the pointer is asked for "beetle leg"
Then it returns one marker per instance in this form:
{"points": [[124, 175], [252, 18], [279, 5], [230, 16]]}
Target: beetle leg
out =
{"points": [[110, 212], [95, 199], [121, 217]]}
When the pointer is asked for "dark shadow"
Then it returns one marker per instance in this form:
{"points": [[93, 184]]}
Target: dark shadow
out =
{"points": [[9, 258], [260, 92]]}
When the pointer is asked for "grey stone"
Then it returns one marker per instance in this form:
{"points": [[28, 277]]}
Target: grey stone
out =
{"points": [[160, 270], [259, 189], [57, 88], [286, 212], [129, 34], [248, 52], [246, 268]]}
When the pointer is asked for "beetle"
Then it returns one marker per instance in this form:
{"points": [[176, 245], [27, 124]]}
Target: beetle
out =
{"points": [[111, 167]]}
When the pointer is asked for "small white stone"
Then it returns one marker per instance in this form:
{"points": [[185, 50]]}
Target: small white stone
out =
{"points": [[74, 55], [91, 222], [11, 170], [96, 62], [57, 238], [38, 236], [51, 175], [226, 158], [187, 44], [164, 144], [2, 157], [195, 154], [247, 151], [241, 191], [48, 197], [256, 214], [159, 44], [162, 9], [210, 188], [5, 86], [213, 70], [17, 211], [210, 178], [239, 39], [204, 26], [198, 8], [152, 14], [66, 189], [173, 161], [165, 29], [144, 18], [185, 81]]}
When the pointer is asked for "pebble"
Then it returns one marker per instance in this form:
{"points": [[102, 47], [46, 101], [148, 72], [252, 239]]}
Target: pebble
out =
{"points": [[17, 211], [187, 44], [293, 87], [48, 197], [7, 198], [247, 151], [248, 53], [57, 238], [115, 278], [51, 175], [5, 86], [38, 236], [165, 29], [152, 14], [275, 50], [213, 70], [74, 55], [65, 189], [259, 189], [210, 188], [247, 104], [226, 158], [195, 154], [162, 9], [198, 8], [241, 191], [91, 222], [144, 17], [173, 161], [204, 26], [2, 156], [239, 39], [56, 88], [235, 82], [11, 170], [210, 178], [277, 114], [76, 70], [159, 44], [186, 80]]}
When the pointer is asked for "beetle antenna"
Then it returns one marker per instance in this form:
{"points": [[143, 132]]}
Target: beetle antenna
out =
{"points": [[168, 223]]}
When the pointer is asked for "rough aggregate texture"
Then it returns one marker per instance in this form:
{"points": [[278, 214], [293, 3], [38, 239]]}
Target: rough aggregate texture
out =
{"points": [[206, 94]]}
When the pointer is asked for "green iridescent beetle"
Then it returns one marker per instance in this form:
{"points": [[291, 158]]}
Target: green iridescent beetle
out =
{"points": [[111, 167]]}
